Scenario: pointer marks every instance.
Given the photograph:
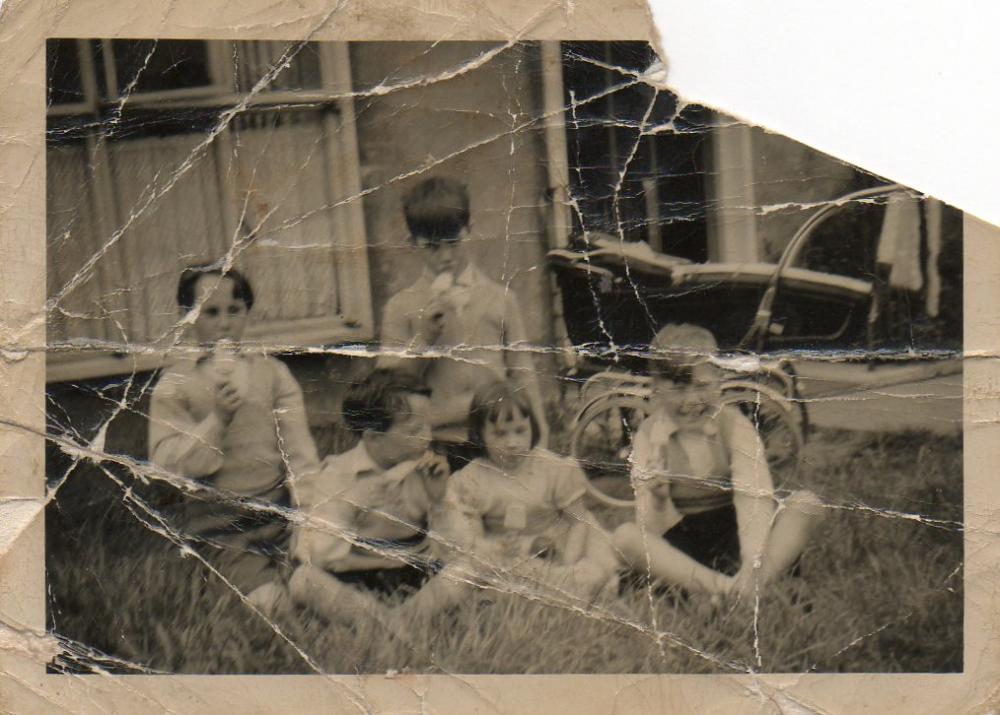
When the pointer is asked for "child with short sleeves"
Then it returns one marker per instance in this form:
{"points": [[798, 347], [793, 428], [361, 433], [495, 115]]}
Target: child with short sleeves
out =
{"points": [[519, 508], [367, 511], [235, 421], [707, 517]]}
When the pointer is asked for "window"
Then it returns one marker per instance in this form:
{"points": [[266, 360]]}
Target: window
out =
{"points": [[138, 189], [660, 149]]}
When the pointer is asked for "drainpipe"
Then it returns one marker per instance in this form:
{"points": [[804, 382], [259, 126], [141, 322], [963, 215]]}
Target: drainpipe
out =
{"points": [[557, 205]]}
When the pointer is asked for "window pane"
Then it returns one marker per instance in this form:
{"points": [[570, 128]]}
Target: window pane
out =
{"points": [[63, 71], [157, 65]]}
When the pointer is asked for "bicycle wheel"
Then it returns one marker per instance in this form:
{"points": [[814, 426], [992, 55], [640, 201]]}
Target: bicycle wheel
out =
{"points": [[779, 424], [601, 442]]}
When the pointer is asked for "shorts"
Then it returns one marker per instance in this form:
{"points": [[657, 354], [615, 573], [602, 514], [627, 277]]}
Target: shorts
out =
{"points": [[405, 580], [711, 538], [248, 546]]}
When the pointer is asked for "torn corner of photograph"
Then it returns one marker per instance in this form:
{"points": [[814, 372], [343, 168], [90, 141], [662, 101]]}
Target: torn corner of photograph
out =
{"points": [[399, 347]]}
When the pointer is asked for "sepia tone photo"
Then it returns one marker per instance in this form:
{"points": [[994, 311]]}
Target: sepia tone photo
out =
{"points": [[467, 357]]}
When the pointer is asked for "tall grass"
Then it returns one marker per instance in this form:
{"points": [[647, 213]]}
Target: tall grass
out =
{"points": [[879, 591]]}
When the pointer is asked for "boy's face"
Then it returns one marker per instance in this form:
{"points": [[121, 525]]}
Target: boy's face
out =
{"points": [[221, 316], [508, 439], [691, 394], [443, 256], [410, 433]]}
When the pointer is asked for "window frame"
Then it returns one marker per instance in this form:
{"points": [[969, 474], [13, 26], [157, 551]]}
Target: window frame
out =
{"points": [[354, 323]]}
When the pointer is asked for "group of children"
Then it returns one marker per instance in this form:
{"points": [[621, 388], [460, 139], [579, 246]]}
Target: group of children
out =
{"points": [[451, 485]]}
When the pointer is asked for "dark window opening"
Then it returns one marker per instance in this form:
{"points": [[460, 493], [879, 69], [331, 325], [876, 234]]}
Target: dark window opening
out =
{"points": [[636, 171]]}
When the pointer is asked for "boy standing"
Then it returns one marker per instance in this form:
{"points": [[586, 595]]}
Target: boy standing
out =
{"points": [[368, 510], [236, 421], [468, 322]]}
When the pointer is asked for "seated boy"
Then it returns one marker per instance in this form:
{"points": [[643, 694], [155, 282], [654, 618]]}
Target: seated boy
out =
{"points": [[707, 517], [236, 421], [469, 320], [366, 512]]}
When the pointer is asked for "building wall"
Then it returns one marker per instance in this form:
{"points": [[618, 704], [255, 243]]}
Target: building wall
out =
{"points": [[480, 127], [478, 122], [788, 178]]}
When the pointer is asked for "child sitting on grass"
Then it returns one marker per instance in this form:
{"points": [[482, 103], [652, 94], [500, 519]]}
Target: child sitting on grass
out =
{"points": [[707, 517], [518, 510], [237, 422], [367, 510]]}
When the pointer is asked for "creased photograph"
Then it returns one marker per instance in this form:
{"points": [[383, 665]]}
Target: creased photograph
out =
{"points": [[496, 358]]}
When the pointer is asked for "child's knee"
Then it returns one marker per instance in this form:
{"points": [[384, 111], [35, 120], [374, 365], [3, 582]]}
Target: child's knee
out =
{"points": [[805, 502], [302, 583], [591, 576], [627, 540]]}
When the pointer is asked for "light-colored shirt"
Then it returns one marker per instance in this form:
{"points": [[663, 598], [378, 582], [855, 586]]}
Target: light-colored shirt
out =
{"points": [[352, 499], [726, 455], [488, 321], [530, 502], [267, 441]]}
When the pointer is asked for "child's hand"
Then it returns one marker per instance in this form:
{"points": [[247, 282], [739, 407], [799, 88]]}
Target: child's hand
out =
{"points": [[439, 313], [227, 400], [433, 470], [432, 465]]}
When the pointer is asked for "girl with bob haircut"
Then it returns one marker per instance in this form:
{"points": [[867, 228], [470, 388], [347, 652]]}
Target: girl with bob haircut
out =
{"points": [[518, 510]]}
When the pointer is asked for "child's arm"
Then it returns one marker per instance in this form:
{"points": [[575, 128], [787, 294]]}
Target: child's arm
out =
{"points": [[570, 488], [576, 539], [654, 511], [298, 450], [521, 368], [462, 521], [753, 490], [177, 441], [397, 336]]}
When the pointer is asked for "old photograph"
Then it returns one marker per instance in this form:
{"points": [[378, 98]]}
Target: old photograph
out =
{"points": [[484, 358]]}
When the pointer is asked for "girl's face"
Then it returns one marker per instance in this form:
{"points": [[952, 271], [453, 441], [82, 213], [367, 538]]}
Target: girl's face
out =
{"points": [[691, 394], [222, 316], [508, 439]]}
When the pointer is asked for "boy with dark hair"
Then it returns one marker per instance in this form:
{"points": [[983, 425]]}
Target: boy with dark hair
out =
{"points": [[235, 421], [469, 321], [367, 512]]}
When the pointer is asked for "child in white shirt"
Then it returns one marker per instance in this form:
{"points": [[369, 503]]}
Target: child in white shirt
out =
{"points": [[454, 327], [707, 517], [366, 513]]}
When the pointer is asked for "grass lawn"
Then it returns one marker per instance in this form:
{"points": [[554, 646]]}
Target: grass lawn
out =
{"points": [[880, 591]]}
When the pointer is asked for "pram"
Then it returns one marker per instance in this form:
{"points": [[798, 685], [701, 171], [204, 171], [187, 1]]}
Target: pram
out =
{"points": [[616, 296]]}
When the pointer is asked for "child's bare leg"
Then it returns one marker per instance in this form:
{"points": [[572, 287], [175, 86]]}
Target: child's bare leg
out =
{"points": [[665, 562], [797, 517], [445, 589], [599, 566], [332, 599]]}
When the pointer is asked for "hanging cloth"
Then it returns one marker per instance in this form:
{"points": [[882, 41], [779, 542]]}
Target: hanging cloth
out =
{"points": [[899, 242]]}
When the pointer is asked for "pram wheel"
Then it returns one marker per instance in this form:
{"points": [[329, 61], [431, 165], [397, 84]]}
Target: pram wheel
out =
{"points": [[601, 440], [780, 424]]}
